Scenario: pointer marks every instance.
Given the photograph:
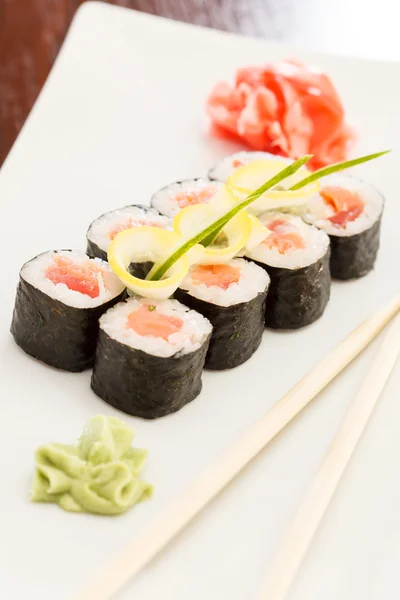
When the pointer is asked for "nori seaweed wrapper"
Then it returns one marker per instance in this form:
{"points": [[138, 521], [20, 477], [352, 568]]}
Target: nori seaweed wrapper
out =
{"points": [[237, 329], [143, 385], [354, 256], [297, 297], [94, 251], [59, 335], [140, 269]]}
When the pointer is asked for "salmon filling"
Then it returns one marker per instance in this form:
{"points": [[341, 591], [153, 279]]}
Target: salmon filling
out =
{"points": [[193, 196], [283, 237], [129, 224], [237, 163], [79, 277], [219, 275], [147, 321], [347, 205]]}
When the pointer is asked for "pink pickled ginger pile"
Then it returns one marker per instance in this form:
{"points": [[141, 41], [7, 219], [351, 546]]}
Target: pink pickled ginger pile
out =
{"points": [[290, 109]]}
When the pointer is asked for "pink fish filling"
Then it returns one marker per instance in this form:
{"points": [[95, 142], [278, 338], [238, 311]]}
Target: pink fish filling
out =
{"points": [[284, 237]]}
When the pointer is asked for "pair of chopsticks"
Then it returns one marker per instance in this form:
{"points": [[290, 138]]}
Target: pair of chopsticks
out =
{"points": [[299, 535], [184, 508]]}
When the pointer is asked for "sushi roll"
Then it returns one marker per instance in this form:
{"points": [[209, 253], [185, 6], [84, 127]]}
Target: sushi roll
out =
{"points": [[232, 296], [350, 212], [60, 297], [296, 257], [228, 165], [150, 356], [103, 230], [172, 198]]}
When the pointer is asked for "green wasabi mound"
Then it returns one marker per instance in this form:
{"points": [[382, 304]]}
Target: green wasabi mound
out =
{"points": [[100, 474]]}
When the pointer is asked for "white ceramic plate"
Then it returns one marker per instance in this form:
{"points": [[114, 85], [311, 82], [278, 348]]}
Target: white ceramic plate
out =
{"points": [[121, 115]]}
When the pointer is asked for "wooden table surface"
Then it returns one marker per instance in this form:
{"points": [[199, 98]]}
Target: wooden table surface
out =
{"points": [[32, 31]]}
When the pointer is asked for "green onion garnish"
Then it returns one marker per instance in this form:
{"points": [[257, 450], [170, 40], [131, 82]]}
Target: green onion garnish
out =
{"points": [[159, 270], [336, 168]]}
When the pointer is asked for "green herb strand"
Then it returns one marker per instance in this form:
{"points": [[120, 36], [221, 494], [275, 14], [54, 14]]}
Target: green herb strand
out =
{"points": [[158, 271], [336, 168], [211, 238]]}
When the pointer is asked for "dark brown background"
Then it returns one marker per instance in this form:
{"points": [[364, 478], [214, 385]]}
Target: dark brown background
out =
{"points": [[31, 32]]}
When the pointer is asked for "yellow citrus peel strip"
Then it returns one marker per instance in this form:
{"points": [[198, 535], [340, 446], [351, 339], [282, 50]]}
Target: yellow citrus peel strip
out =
{"points": [[230, 240], [162, 267], [173, 253], [142, 244], [248, 178]]}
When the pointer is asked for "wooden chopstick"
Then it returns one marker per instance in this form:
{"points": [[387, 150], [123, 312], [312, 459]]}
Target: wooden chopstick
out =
{"points": [[192, 500], [298, 538]]}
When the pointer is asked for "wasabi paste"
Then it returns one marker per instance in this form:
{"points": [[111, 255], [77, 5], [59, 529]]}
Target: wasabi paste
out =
{"points": [[100, 474]]}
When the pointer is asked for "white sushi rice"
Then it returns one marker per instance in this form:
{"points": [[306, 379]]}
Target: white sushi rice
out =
{"points": [[99, 231], [194, 332], [165, 199], [34, 273], [253, 280], [316, 244], [317, 211], [225, 168]]}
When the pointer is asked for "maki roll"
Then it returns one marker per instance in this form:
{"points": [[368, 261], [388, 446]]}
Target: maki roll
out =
{"points": [[232, 296], [150, 356], [296, 257], [103, 230], [172, 198], [60, 297], [350, 212], [228, 165]]}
